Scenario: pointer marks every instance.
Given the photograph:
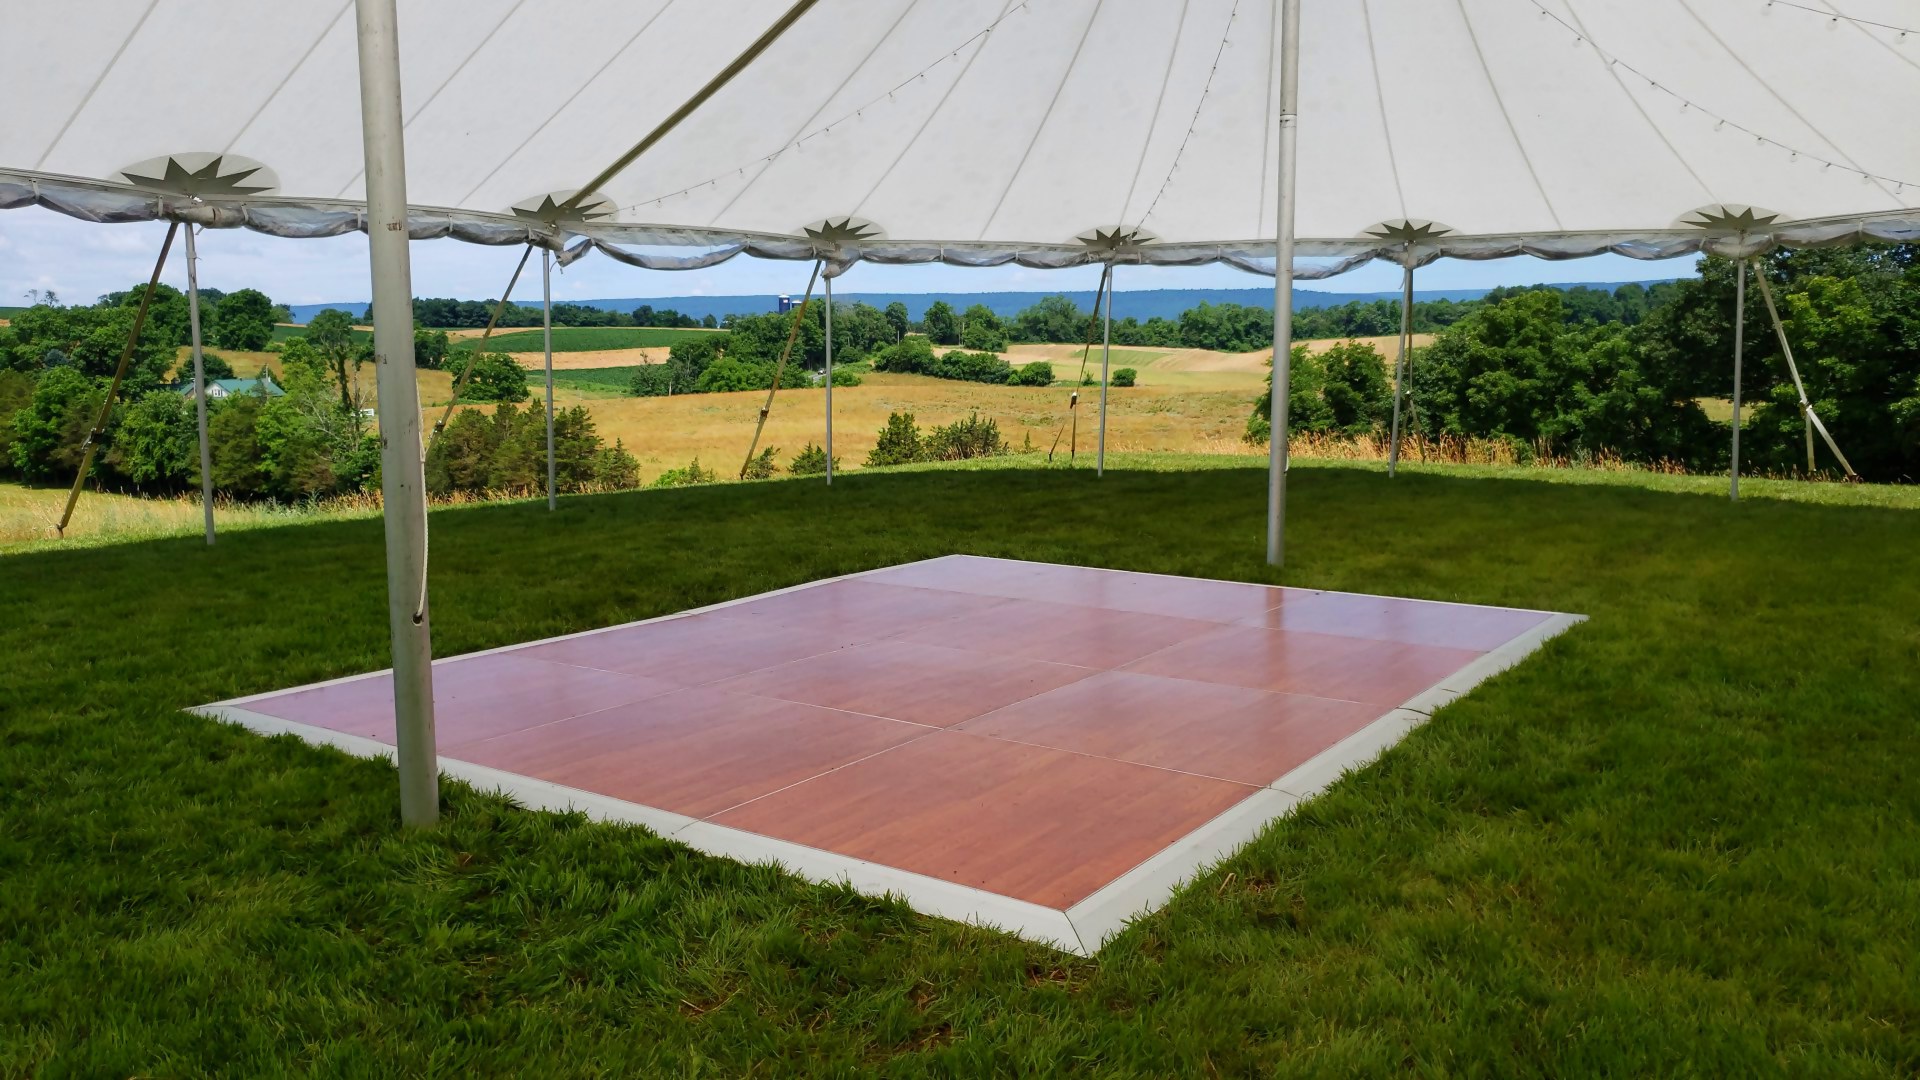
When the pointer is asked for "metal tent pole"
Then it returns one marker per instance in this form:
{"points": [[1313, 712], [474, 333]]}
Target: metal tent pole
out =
{"points": [[829, 300], [1807, 414], [402, 472], [1106, 358], [1400, 364], [1283, 281], [199, 384], [1739, 353], [92, 444], [546, 334]]}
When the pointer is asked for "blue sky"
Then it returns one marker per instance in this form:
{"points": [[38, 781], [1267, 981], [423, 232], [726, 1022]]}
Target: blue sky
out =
{"points": [[40, 249]]}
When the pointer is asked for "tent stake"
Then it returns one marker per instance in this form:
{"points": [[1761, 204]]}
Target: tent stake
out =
{"points": [[402, 464], [546, 334], [199, 385], [92, 443], [1739, 353], [829, 314], [1400, 362], [1811, 419], [1106, 357], [1283, 281]]}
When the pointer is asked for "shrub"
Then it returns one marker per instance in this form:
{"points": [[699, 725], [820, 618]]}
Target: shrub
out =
{"points": [[1123, 377], [912, 355], [495, 377], [614, 468], [845, 377], [899, 442], [692, 474], [979, 367], [48, 433], [811, 461], [155, 444], [962, 439], [1038, 373], [728, 374], [653, 380], [761, 466]]}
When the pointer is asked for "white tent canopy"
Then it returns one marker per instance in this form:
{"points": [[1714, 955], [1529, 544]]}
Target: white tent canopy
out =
{"points": [[977, 131]]}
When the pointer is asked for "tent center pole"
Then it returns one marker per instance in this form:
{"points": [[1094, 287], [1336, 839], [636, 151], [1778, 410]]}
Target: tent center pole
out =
{"points": [[546, 335], [1739, 354], [1283, 280], [1106, 358], [199, 385], [402, 465], [829, 315], [1400, 363]]}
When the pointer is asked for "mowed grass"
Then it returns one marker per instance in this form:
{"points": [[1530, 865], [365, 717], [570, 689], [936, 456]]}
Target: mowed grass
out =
{"points": [[582, 339], [1682, 839]]}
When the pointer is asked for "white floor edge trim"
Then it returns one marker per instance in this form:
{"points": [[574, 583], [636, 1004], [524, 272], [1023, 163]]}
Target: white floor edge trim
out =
{"points": [[1080, 930]]}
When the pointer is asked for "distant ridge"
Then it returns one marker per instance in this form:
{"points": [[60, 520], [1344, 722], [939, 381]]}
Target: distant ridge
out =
{"points": [[1141, 304]]}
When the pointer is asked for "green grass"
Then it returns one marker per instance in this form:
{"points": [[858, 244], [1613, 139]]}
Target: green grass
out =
{"points": [[607, 380], [1683, 839], [583, 338]]}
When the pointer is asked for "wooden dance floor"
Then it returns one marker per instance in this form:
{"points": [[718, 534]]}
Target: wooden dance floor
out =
{"points": [[1046, 749]]}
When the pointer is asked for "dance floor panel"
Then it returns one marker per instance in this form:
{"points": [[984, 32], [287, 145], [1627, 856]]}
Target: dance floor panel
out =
{"points": [[1047, 749]]}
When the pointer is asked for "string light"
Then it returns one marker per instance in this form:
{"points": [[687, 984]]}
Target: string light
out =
{"points": [[1719, 121], [1205, 90], [951, 56], [1834, 17]]}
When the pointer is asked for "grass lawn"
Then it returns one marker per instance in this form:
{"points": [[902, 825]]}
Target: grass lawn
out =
{"points": [[1685, 838], [582, 339]]}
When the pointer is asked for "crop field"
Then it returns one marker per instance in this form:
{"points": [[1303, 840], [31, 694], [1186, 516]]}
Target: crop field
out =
{"points": [[583, 339]]}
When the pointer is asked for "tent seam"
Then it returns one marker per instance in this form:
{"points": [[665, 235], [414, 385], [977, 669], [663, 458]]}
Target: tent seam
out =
{"points": [[1788, 105], [288, 77], [766, 166], [1380, 97], [1032, 140], [581, 89], [1005, 8], [94, 88], [444, 83], [1146, 144], [1712, 196], [1499, 102]]}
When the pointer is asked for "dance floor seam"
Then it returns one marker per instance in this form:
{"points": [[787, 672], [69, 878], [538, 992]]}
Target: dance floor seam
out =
{"points": [[1047, 749]]}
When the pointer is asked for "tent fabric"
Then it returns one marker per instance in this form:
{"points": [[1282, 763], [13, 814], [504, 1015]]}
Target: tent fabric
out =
{"points": [[979, 132]]}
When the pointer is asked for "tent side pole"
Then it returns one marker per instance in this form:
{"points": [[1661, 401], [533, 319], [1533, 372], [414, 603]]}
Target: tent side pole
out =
{"points": [[1807, 416], [402, 465], [1106, 359], [1400, 365], [1739, 354], [199, 384], [1283, 281], [829, 314], [92, 444], [546, 337]]}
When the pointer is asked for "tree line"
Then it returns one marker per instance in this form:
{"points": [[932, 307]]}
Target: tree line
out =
{"points": [[300, 428], [1546, 373]]}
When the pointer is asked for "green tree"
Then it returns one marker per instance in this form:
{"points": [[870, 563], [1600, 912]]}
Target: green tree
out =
{"points": [[155, 444], [495, 377], [330, 333], [16, 392], [898, 319], [912, 355], [942, 325], [981, 331], [1053, 319], [242, 320], [49, 434], [429, 348]]}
